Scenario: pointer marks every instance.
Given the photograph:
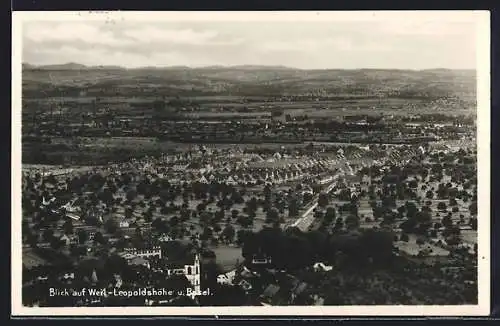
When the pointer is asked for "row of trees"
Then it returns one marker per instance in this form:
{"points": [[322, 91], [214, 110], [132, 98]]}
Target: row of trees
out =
{"points": [[292, 249]]}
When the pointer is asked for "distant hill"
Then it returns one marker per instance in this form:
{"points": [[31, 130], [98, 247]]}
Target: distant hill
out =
{"points": [[66, 66], [77, 66], [247, 80]]}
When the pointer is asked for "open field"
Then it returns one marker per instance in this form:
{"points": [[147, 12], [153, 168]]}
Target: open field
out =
{"points": [[251, 86], [30, 259], [313, 109]]}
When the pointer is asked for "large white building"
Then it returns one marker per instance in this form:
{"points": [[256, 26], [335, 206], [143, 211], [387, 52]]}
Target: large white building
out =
{"points": [[147, 252]]}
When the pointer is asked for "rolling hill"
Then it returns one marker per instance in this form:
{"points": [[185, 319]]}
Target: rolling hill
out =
{"points": [[72, 79]]}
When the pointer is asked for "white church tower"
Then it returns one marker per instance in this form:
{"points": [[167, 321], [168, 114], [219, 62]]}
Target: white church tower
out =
{"points": [[193, 273]]}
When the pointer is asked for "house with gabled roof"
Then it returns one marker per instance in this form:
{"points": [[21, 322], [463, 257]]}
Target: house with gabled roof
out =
{"points": [[123, 224], [230, 181], [194, 166], [250, 179], [320, 266], [69, 239], [307, 190], [180, 167]]}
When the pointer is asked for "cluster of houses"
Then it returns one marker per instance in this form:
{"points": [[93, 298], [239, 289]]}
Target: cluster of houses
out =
{"points": [[273, 172], [271, 286], [242, 170]]}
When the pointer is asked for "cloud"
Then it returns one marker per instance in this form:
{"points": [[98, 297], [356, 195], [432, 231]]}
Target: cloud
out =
{"points": [[357, 44], [95, 57], [73, 32], [307, 45], [430, 29], [185, 36], [327, 45]]}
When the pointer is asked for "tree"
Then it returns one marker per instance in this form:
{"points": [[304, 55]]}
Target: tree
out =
{"points": [[82, 236], [272, 216], [32, 240], [453, 240], [330, 215], [129, 213], [447, 221], [77, 251], [339, 224], [409, 225], [377, 245], [148, 215], [56, 243], [352, 222], [267, 193], [99, 238], [110, 226], [423, 216], [251, 205], [159, 225], [228, 233], [473, 223], [68, 227], [234, 213], [201, 207], [245, 221], [174, 221], [47, 235], [389, 217], [115, 264], [207, 234], [473, 208], [242, 236], [411, 209], [237, 198], [429, 194], [323, 200], [404, 237], [441, 206]]}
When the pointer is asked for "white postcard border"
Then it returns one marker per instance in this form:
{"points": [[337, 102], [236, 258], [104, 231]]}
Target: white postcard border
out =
{"points": [[483, 138]]}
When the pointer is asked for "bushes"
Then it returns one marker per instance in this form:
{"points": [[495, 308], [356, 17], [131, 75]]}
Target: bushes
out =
{"points": [[409, 284]]}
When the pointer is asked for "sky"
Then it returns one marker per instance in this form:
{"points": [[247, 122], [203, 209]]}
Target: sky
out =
{"points": [[416, 42]]}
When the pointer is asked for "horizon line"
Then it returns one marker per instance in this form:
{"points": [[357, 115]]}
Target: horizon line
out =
{"points": [[232, 66]]}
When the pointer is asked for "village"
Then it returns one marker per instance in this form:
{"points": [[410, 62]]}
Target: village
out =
{"points": [[250, 224]]}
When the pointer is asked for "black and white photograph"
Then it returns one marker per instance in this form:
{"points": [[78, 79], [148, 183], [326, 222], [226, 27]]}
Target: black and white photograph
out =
{"points": [[251, 163]]}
